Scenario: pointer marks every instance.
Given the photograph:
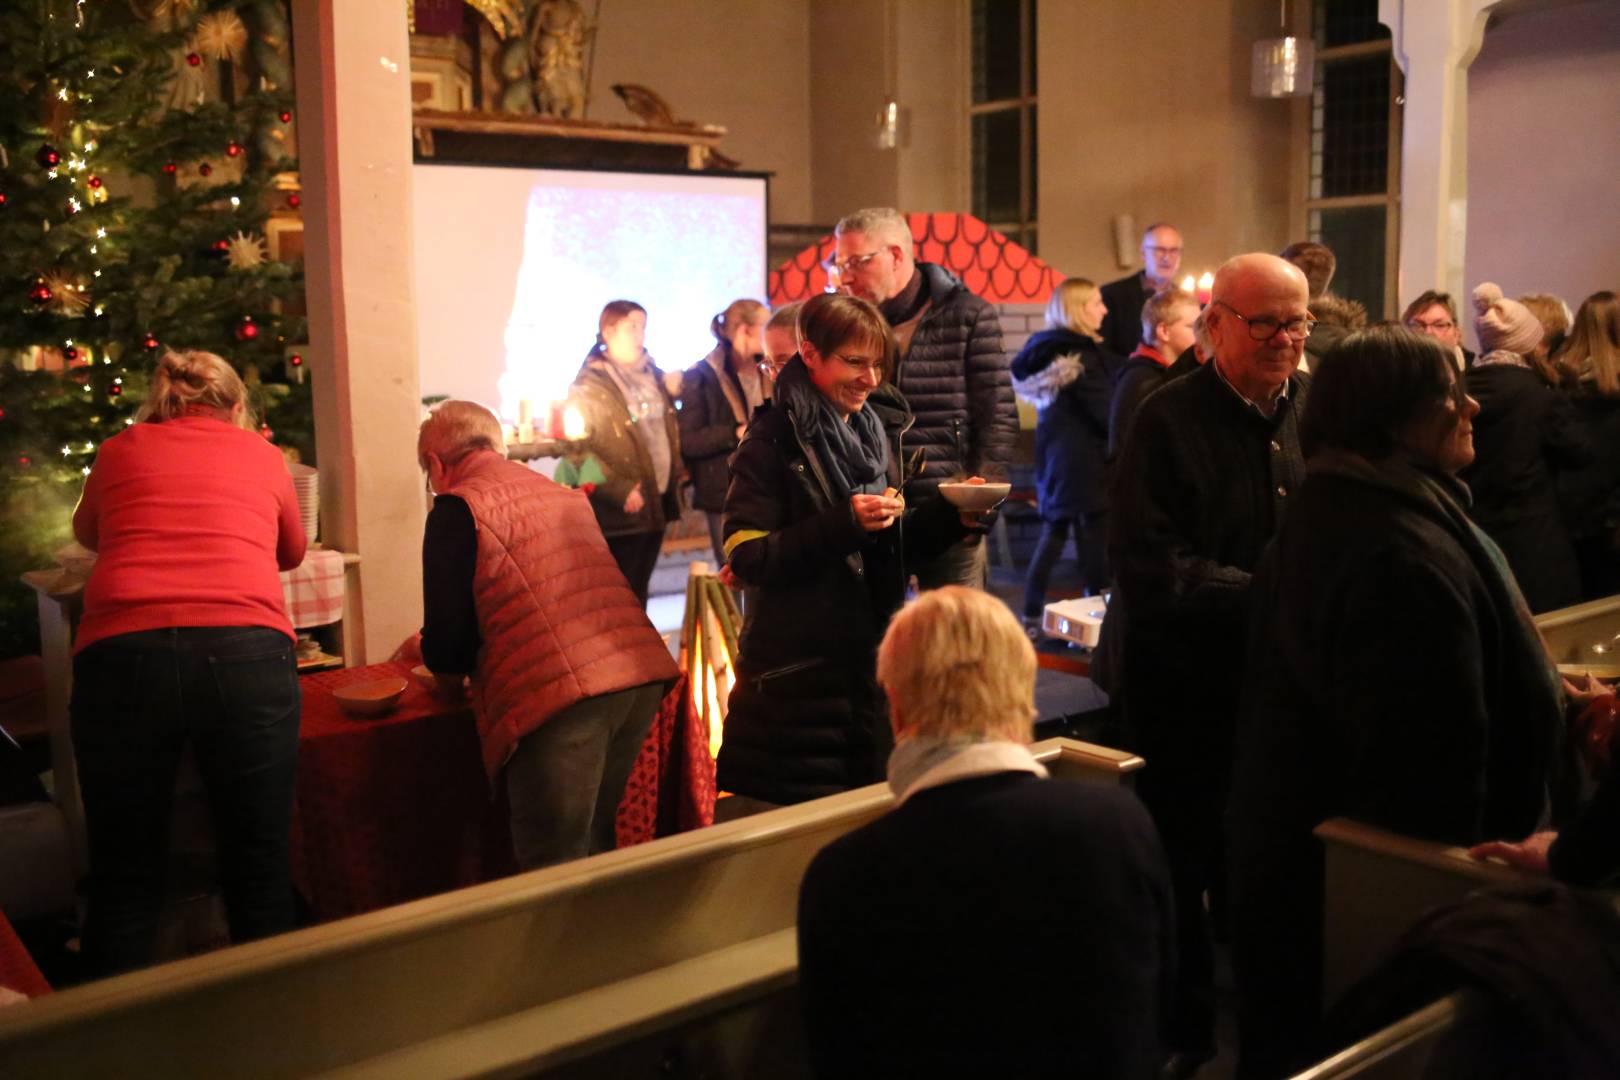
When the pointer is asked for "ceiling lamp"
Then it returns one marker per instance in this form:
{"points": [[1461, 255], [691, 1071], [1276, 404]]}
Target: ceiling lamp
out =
{"points": [[1282, 66]]}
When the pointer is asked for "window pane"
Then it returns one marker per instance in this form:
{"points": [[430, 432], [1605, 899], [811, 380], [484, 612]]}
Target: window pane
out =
{"points": [[1034, 172], [996, 48], [995, 165], [1353, 121], [1346, 22], [1356, 235]]}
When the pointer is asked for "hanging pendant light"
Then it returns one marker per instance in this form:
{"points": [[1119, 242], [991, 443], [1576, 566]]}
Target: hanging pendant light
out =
{"points": [[1282, 66]]}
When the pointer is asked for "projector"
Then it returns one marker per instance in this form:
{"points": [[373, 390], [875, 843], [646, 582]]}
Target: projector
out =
{"points": [[1079, 621]]}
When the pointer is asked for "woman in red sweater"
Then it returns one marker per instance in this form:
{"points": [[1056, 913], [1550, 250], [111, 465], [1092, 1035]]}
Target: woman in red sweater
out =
{"points": [[185, 639]]}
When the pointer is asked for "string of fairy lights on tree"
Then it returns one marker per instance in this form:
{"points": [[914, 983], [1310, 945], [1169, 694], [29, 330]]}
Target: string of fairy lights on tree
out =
{"points": [[144, 147]]}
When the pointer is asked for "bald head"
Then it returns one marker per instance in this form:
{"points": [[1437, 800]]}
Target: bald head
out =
{"points": [[1252, 292]]}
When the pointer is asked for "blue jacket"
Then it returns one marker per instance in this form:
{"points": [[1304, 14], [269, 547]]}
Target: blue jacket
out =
{"points": [[1070, 378]]}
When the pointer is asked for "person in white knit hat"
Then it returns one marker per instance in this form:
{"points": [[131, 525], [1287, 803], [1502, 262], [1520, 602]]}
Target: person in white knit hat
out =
{"points": [[1525, 433]]}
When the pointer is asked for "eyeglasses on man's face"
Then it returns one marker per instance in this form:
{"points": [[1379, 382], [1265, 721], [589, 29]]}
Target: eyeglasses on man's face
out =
{"points": [[1155, 249], [1265, 328], [848, 266], [1429, 326]]}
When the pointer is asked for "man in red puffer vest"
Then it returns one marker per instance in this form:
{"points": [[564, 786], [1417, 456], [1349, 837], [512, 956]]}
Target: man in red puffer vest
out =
{"points": [[521, 592]]}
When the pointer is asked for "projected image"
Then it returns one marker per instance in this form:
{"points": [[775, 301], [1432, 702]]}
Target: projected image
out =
{"points": [[513, 267]]}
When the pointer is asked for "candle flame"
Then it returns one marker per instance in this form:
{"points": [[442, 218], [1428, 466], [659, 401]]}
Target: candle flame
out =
{"points": [[1187, 283], [573, 423], [1206, 280]]}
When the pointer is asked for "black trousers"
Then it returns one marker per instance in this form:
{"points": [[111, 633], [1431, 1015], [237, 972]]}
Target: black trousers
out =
{"points": [[1091, 540], [138, 699], [637, 555]]}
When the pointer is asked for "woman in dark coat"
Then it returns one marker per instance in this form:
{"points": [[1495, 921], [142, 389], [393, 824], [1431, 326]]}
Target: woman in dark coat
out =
{"points": [[1526, 433], [719, 394], [1591, 494], [1065, 372], [631, 432], [1395, 676], [816, 531]]}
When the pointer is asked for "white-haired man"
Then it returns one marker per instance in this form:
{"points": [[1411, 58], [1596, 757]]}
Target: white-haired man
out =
{"points": [[1207, 469], [951, 368], [996, 922], [1161, 258], [520, 591]]}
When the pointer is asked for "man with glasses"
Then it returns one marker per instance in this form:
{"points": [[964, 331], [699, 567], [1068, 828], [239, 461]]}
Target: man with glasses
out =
{"points": [[951, 369], [1435, 313], [1161, 258], [1208, 468]]}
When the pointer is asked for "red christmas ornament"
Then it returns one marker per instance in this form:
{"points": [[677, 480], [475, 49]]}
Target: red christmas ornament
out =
{"points": [[264, 429], [47, 157], [170, 167], [150, 342], [40, 293], [233, 149], [2, 198], [70, 354], [286, 116], [115, 389], [193, 59], [2, 414], [294, 201], [94, 181], [222, 245], [295, 360], [247, 329], [204, 169], [24, 461]]}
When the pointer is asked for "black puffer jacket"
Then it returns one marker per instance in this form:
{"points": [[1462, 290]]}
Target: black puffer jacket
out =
{"points": [[805, 718], [1070, 379], [955, 378]]}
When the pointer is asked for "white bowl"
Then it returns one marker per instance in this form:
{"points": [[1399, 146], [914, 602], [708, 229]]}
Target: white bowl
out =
{"points": [[370, 698], [975, 497]]}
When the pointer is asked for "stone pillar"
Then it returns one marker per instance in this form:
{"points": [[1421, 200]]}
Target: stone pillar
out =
{"points": [[354, 150], [1434, 42]]}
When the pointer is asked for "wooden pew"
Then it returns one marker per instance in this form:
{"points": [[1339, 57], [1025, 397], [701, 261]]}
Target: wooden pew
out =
{"points": [[1571, 633], [680, 949], [1376, 884], [1424, 1044]]}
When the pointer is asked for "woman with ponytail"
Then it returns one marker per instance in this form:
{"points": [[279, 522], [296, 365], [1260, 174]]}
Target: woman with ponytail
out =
{"points": [[185, 641], [718, 397]]}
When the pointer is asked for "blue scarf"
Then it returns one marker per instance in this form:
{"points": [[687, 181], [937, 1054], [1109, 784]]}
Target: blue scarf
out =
{"points": [[855, 455]]}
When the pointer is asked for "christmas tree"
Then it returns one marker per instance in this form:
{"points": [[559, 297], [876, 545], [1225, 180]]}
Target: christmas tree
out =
{"points": [[145, 155]]}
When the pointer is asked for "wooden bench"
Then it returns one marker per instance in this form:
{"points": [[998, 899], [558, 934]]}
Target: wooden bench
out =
{"points": [[682, 948], [1421, 1045]]}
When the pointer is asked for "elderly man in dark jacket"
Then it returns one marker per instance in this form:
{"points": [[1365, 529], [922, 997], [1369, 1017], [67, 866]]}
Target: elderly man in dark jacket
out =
{"points": [[1161, 258], [1208, 466], [952, 369]]}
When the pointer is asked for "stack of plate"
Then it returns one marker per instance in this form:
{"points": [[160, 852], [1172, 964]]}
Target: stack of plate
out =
{"points": [[307, 483]]}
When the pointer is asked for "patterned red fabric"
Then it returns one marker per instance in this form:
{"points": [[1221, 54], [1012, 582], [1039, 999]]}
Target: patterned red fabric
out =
{"points": [[394, 808], [17, 969], [990, 265]]}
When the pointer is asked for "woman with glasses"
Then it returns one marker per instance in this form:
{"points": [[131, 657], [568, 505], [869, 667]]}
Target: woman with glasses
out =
{"points": [[1066, 373], [631, 432], [1396, 677], [816, 530]]}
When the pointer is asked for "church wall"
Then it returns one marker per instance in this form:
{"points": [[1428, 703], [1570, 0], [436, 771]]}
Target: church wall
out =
{"points": [[737, 63], [1145, 110], [1544, 153]]}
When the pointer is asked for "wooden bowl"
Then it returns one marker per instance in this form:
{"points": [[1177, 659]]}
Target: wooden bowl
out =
{"points": [[371, 698], [975, 497]]}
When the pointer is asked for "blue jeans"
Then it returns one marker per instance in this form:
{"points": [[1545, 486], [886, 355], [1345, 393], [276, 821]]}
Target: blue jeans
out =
{"points": [[231, 693], [567, 776]]}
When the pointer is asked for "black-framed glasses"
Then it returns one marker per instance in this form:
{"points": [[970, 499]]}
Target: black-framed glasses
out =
{"points": [[1423, 327], [1265, 328], [861, 363]]}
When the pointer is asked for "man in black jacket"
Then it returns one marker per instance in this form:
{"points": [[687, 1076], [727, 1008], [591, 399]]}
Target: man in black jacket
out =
{"points": [[952, 370], [1161, 258], [1208, 466]]}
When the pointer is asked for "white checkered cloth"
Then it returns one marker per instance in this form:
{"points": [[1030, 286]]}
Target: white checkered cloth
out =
{"points": [[314, 591]]}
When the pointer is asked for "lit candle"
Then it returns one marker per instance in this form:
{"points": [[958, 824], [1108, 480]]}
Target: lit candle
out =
{"points": [[525, 424], [573, 423], [1188, 284], [1206, 284]]}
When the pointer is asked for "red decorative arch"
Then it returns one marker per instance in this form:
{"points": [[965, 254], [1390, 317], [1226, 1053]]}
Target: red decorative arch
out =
{"points": [[989, 264]]}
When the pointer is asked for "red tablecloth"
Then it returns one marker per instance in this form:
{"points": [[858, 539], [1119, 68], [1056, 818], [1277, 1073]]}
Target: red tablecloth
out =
{"points": [[397, 807], [17, 969]]}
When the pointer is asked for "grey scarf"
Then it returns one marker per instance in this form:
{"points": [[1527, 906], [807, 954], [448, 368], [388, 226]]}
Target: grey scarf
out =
{"points": [[854, 454]]}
